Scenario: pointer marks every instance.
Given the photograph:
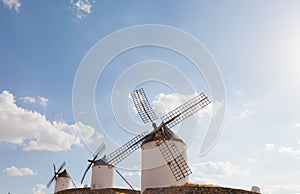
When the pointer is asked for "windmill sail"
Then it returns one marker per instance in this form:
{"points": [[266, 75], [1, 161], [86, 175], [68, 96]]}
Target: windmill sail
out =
{"points": [[143, 106], [174, 159], [124, 151], [99, 151], [185, 110], [55, 173]]}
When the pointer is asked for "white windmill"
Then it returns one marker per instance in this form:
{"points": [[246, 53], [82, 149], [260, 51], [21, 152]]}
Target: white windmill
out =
{"points": [[62, 179], [104, 170], [171, 154]]}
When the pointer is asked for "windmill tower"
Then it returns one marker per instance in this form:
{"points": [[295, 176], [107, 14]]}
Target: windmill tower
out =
{"points": [[164, 154], [103, 174], [62, 179], [104, 170]]}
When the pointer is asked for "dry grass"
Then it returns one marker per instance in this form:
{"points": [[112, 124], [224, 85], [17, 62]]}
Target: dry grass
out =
{"points": [[198, 185]]}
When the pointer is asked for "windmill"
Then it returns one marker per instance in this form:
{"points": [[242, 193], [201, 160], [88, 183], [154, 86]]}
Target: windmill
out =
{"points": [[103, 171], [175, 169], [62, 179]]}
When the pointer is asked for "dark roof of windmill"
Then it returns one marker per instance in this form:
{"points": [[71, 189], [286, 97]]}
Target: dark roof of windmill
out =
{"points": [[64, 174], [168, 134], [101, 161]]}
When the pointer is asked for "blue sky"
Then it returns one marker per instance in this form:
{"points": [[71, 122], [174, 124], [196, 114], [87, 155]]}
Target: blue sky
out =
{"points": [[254, 43]]}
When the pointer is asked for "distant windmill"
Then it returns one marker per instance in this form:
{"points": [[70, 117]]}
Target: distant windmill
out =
{"points": [[103, 171], [62, 179]]}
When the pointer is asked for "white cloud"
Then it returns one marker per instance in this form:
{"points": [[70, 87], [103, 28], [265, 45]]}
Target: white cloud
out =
{"points": [[14, 171], [218, 169], [98, 136], [132, 173], [81, 8], [269, 147], [39, 189], [164, 103], [238, 92], [251, 160], [244, 114], [290, 151], [12, 4], [215, 172], [283, 188], [213, 107], [33, 131], [297, 125], [202, 179], [42, 101], [28, 99]]}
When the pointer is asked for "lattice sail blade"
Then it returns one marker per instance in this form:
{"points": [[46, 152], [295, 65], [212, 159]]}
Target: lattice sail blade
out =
{"points": [[86, 170], [185, 110], [60, 168], [124, 151], [143, 106], [54, 168], [99, 151], [50, 182], [175, 160]]}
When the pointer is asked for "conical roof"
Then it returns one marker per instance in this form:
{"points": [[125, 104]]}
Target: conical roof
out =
{"points": [[64, 174], [102, 161], [167, 132]]}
